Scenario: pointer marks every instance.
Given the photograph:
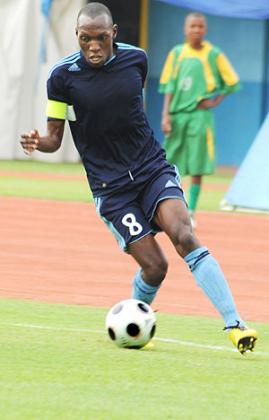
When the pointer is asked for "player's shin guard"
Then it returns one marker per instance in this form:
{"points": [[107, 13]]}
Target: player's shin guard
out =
{"points": [[143, 291], [210, 278]]}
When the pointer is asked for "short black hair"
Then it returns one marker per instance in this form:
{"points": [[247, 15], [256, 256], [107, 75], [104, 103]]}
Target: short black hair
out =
{"points": [[195, 15], [95, 9]]}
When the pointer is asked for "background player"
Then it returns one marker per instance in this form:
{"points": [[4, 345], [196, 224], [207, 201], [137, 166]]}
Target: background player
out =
{"points": [[195, 78], [136, 191]]}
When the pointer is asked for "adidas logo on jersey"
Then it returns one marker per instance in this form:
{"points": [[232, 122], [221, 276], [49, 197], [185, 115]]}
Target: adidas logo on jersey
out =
{"points": [[74, 67], [170, 184]]}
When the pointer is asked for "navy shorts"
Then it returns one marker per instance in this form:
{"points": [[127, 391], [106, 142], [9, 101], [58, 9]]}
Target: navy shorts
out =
{"points": [[129, 214]]}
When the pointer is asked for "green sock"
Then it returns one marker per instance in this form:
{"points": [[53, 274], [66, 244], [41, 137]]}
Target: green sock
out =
{"points": [[194, 193]]}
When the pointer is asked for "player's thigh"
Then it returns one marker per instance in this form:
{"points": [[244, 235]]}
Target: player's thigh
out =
{"points": [[173, 217], [166, 185]]}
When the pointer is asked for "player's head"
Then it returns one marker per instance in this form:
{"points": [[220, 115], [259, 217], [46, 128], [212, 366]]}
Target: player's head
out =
{"points": [[96, 32], [195, 28]]}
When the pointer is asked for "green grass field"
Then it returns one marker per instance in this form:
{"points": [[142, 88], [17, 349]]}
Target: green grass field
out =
{"points": [[15, 183], [57, 362]]}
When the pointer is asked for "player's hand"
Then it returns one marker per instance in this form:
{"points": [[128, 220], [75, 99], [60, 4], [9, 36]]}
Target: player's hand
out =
{"points": [[210, 103], [206, 104], [30, 141], [166, 125]]}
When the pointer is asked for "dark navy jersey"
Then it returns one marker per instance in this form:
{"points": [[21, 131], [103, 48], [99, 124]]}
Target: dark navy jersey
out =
{"points": [[105, 110]]}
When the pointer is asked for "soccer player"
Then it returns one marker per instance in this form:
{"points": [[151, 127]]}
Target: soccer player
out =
{"points": [[137, 193], [195, 79]]}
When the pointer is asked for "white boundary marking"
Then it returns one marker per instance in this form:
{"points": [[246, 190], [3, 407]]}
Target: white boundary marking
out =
{"points": [[163, 340]]}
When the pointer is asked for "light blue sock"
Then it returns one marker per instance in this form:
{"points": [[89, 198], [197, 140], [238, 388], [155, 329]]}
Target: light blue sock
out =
{"points": [[210, 278], [143, 291]]}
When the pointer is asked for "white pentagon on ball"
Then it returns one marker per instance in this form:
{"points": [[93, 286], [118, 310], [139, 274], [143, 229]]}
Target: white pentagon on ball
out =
{"points": [[131, 323]]}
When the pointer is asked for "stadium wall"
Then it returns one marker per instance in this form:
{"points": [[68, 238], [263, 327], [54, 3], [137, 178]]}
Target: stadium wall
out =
{"points": [[239, 117]]}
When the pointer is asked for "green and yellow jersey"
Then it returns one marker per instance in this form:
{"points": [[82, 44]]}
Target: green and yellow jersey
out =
{"points": [[192, 75]]}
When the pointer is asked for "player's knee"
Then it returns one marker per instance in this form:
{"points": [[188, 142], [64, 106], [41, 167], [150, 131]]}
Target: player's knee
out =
{"points": [[188, 241], [155, 272], [185, 241]]}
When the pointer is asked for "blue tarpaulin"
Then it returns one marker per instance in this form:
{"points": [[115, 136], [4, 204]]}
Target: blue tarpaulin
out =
{"points": [[246, 9], [249, 188], [45, 9], [46, 6]]}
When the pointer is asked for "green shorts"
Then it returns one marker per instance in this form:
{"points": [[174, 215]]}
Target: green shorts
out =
{"points": [[191, 144]]}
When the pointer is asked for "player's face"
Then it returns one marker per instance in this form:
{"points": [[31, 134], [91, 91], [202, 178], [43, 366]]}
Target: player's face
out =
{"points": [[195, 30], [95, 37]]}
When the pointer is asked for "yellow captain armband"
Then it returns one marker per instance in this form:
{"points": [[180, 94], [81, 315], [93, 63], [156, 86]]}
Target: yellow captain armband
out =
{"points": [[56, 109]]}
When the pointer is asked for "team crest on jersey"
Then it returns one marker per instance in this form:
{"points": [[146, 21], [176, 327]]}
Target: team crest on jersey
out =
{"points": [[74, 67]]}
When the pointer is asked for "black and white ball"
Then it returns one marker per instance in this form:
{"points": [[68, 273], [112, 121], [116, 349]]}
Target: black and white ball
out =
{"points": [[131, 323]]}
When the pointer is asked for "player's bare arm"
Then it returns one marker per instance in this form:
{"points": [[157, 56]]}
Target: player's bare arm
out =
{"points": [[166, 118], [32, 141], [210, 103]]}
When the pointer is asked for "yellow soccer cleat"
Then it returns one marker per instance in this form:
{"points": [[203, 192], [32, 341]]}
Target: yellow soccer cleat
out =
{"points": [[148, 346], [243, 338]]}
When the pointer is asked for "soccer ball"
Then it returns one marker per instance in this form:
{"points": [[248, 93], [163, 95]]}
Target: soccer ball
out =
{"points": [[131, 323]]}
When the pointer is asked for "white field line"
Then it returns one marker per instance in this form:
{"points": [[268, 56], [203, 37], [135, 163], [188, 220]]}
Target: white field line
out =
{"points": [[163, 340]]}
